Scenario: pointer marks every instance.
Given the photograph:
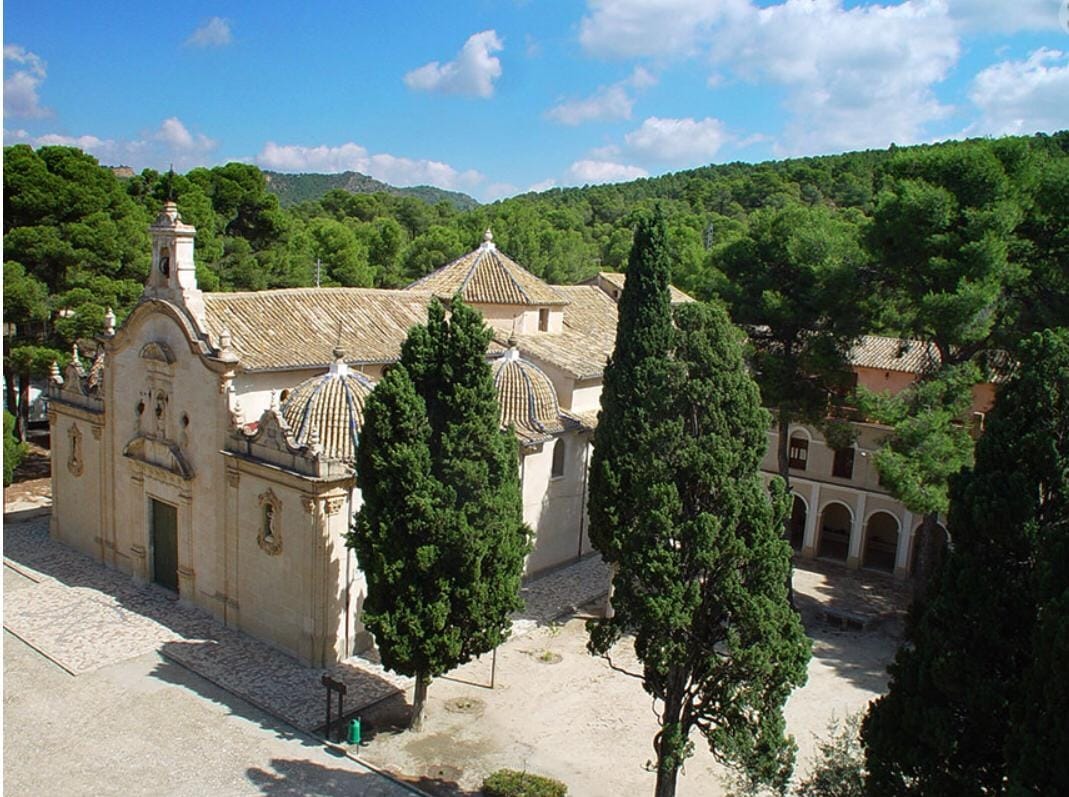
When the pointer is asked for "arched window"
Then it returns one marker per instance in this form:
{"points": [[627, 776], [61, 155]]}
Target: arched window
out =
{"points": [[558, 459], [798, 451]]}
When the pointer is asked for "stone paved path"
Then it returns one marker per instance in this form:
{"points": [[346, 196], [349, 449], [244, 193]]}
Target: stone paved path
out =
{"points": [[84, 616]]}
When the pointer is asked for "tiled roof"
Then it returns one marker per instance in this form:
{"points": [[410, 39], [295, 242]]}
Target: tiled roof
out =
{"points": [[528, 400], [298, 327], [916, 356], [587, 339], [616, 279], [488, 276], [329, 410], [893, 354]]}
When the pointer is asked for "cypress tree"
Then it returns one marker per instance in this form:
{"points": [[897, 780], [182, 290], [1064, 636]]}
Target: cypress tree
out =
{"points": [[440, 534], [977, 698], [678, 507]]}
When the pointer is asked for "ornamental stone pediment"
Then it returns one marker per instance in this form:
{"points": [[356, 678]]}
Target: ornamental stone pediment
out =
{"points": [[157, 350], [160, 454]]}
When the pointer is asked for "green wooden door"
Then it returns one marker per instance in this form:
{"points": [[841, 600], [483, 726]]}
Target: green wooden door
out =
{"points": [[165, 545]]}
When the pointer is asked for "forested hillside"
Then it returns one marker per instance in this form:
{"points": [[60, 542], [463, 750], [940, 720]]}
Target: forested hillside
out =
{"points": [[972, 234], [293, 188]]}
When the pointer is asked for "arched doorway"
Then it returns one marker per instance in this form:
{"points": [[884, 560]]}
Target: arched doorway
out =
{"points": [[942, 539], [835, 524], [881, 542], [797, 528]]}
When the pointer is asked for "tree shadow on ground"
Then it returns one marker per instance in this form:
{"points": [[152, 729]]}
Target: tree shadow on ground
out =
{"points": [[855, 619], [300, 778]]}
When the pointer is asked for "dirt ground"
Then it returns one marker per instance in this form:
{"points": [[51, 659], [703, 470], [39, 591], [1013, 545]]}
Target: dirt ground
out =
{"points": [[557, 711]]}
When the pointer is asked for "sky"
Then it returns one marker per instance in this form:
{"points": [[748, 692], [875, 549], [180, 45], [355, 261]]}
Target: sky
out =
{"points": [[498, 97]]}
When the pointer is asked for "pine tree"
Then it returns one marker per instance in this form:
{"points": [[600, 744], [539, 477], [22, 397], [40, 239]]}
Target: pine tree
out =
{"points": [[678, 507], [440, 534], [974, 691]]}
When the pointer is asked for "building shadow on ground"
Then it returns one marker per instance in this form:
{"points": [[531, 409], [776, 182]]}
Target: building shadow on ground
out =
{"points": [[253, 670]]}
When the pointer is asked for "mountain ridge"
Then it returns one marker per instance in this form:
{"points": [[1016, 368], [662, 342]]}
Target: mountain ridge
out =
{"points": [[292, 189]]}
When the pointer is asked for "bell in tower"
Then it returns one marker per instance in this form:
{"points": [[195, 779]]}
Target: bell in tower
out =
{"points": [[173, 276]]}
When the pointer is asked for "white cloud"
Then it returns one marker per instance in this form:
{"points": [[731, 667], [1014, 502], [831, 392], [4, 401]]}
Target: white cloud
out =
{"points": [[608, 103], [1023, 96], [473, 72], [171, 143], [628, 28], [857, 77], [174, 135], [213, 33], [21, 86], [496, 191], [596, 171], [677, 140], [541, 185], [1001, 17], [353, 157]]}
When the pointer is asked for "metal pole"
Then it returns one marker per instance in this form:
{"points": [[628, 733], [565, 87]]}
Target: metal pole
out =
{"points": [[493, 668], [317, 272], [328, 714]]}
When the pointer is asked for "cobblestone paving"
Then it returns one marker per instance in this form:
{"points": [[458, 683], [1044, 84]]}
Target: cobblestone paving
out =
{"points": [[83, 616]]}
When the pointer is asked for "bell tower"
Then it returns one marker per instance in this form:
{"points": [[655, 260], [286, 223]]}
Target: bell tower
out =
{"points": [[173, 276]]}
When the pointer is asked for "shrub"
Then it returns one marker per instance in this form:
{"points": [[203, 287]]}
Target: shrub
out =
{"points": [[14, 451], [840, 767], [510, 783]]}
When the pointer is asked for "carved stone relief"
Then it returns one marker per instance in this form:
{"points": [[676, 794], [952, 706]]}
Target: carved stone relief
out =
{"points": [[269, 536]]}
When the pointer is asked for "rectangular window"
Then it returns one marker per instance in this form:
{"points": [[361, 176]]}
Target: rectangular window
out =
{"points": [[843, 465], [798, 453], [543, 320]]}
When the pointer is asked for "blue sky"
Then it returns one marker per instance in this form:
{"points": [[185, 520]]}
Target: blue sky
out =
{"points": [[495, 97]]}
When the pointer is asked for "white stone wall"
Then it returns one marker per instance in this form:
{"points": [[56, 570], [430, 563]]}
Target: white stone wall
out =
{"points": [[555, 508]]}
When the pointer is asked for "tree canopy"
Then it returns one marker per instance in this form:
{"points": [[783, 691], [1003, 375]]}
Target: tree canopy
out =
{"points": [[679, 509], [977, 696], [440, 535]]}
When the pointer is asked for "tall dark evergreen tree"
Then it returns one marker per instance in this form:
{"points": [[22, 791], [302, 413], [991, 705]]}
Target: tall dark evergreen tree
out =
{"points": [[440, 534], [974, 697], [678, 507]]}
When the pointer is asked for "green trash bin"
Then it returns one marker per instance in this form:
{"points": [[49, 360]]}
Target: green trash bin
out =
{"points": [[354, 730]]}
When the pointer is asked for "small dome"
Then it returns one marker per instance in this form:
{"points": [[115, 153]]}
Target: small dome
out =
{"points": [[527, 397], [329, 410]]}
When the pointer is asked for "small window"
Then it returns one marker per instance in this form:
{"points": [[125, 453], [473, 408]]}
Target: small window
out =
{"points": [[543, 320], [798, 452], [558, 460], [843, 465]]}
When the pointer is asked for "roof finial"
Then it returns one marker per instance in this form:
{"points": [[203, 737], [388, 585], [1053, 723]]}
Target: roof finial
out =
{"points": [[338, 367], [109, 322], [170, 184], [54, 374], [488, 239]]}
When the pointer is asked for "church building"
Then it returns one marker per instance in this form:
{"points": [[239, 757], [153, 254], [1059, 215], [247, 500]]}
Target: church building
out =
{"points": [[209, 444]]}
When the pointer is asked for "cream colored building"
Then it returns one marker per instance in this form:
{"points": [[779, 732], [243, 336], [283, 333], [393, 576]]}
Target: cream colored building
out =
{"points": [[841, 511], [209, 445]]}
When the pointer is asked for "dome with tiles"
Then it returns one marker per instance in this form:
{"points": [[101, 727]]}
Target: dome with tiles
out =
{"points": [[328, 410], [527, 397]]}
